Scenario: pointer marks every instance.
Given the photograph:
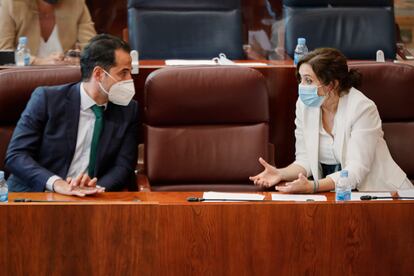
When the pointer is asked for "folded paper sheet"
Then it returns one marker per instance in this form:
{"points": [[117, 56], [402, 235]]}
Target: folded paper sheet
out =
{"points": [[285, 197], [231, 196]]}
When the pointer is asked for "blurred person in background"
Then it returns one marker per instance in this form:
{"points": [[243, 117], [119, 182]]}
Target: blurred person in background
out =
{"points": [[56, 30]]}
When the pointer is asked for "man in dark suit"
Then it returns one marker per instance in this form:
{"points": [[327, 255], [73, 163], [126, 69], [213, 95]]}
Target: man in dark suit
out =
{"points": [[80, 138]]}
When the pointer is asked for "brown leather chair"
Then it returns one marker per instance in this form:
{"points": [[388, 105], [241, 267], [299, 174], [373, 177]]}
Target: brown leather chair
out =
{"points": [[391, 87], [16, 86], [205, 128]]}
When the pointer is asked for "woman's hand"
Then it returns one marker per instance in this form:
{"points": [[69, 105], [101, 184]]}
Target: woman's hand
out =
{"points": [[299, 186], [269, 177]]}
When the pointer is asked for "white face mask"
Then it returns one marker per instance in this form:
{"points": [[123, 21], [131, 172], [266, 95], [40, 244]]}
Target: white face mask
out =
{"points": [[120, 92]]}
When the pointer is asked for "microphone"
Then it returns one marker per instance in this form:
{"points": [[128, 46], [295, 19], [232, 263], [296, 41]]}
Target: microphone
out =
{"points": [[200, 199], [195, 199], [34, 200], [368, 197]]}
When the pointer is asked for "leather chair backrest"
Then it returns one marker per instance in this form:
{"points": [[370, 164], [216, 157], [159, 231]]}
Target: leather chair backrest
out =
{"points": [[390, 86], [357, 28], [185, 29], [343, 3], [205, 128], [16, 86]]}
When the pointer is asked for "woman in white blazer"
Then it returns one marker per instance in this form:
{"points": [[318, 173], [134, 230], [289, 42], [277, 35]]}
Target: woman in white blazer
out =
{"points": [[337, 127]]}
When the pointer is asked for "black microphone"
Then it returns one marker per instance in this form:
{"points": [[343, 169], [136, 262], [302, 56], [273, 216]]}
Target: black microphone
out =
{"points": [[34, 200], [195, 199], [200, 199], [368, 197]]}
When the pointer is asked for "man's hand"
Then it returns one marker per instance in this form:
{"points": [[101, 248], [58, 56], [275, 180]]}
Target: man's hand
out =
{"points": [[82, 185]]}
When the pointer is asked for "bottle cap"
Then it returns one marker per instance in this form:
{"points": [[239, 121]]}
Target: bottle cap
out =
{"points": [[135, 61], [22, 40], [344, 173], [1, 175], [301, 41], [380, 56]]}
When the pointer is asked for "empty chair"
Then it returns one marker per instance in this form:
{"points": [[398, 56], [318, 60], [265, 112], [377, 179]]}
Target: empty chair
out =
{"points": [[205, 128], [357, 28], [186, 29]]}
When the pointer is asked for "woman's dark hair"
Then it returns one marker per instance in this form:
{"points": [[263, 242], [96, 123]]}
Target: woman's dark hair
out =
{"points": [[100, 52], [330, 64]]}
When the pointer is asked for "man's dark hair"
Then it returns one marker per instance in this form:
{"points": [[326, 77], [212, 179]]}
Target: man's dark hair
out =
{"points": [[100, 52]]}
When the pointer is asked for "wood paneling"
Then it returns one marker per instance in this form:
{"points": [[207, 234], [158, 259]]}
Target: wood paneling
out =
{"points": [[78, 240], [165, 235]]}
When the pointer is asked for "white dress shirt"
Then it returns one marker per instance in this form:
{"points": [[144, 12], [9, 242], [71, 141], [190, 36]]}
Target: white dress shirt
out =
{"points": [[86, 124], [52, 45], [327, 154]]}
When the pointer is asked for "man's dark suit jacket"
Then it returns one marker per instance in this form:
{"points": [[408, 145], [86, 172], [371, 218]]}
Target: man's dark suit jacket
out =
{"points": [[44, 141]]}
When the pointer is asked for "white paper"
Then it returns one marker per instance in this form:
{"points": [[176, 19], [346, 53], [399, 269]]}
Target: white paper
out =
{"points": [[250, 64], [231, 196], [285, 197], [183, 62], [189, 62], [356, 196], [408, 192]]}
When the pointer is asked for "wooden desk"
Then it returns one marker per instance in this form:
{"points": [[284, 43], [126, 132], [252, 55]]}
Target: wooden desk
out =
{"points": [[162, 234]]}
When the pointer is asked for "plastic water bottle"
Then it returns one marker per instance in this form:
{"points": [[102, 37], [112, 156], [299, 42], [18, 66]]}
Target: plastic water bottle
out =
{"points": [[300, 51], [343, 187], [4, 191], [22, 53]]}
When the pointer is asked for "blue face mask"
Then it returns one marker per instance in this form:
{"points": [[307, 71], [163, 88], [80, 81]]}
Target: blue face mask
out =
{"points": [[309, 95]]}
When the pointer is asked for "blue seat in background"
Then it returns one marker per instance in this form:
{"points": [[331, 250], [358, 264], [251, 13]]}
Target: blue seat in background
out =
{"points": [[185, 29], [358, 28]]}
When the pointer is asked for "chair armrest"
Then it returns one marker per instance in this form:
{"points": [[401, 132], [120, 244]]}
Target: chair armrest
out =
{"points": [[143, 183]]}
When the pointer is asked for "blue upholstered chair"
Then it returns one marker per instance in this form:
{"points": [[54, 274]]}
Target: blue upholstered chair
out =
{"points": [[188, 29], [358, 28]]}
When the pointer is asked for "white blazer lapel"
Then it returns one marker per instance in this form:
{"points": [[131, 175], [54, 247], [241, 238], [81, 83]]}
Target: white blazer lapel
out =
{"points": [[311, 136], [341, 129]]}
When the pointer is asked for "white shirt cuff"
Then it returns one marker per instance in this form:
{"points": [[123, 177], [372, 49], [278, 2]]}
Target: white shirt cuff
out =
{"points": [[50, 181]]}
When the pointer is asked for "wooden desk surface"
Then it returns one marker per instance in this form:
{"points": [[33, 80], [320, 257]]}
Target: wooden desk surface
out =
{"points": [[156, 198], [163, 234]]}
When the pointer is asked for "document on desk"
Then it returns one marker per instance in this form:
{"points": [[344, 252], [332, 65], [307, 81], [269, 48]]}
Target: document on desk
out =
{"points": [[406, 193], [356, 196], [189, 62], [183, 62], [285, 197], [213, 196]]}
